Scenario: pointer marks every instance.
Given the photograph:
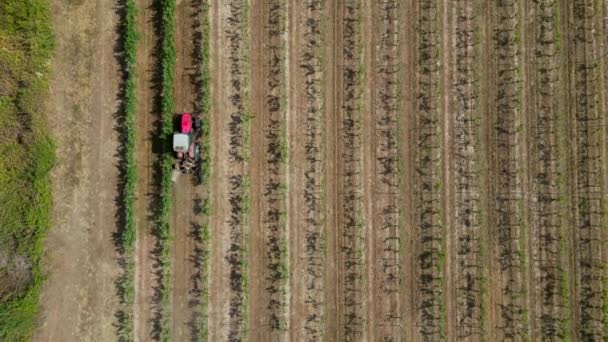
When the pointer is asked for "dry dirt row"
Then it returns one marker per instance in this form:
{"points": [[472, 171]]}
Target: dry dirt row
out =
{"points": [[462, 105], [545, 124], [307, 56], [187, 192], [381, 155], [79, 300], [505, 186], [268, 235], [228, 300], [350, 215], [425, 172], [146, 308]]}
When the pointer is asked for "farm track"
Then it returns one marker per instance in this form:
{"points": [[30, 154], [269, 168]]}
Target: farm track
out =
{"points": [[381, 155], [507, 276], [228, 283], [268, 235], [147, 281], [465, 241], [186, 219], [545, 200], [587, 120], [425, 168], [80, 259], [306, 169]]}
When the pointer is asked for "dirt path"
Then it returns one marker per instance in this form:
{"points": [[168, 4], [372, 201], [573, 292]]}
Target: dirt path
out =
{"points": [[79, 298], [463, 155], [146, 281], [426, 168], [381, 159], [506, 209], [347, 129], [307, 155], [218, 275], [547, 233], [329, 191], [229, 275], [406, 154], [186, 220], [269, 254]]}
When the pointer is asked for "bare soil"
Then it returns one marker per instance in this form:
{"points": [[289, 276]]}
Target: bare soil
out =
{"points": [[145, 325], [186, 222], [79, 300]]}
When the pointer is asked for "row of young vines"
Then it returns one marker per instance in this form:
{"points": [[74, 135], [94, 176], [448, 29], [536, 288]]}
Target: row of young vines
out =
{"points": [[128, 172], [163, 229]]}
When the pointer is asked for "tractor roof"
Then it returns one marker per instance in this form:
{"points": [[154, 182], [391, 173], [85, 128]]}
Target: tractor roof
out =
{"points": [[181, 142]]}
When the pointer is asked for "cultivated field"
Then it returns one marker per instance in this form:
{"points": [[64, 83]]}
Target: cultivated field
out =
{"points": [[383, 170]]}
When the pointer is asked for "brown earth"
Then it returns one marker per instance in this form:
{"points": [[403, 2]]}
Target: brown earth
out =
{"points": [[226, 240], [218, 282], [260, 329], [268, 295], [186, 221], [146, 264], [79, 298], [306, 173], [330, 172]]}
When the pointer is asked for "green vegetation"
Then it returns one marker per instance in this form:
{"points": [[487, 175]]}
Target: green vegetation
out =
{"points": [[163, 228], [128, 234], [26, 157]]}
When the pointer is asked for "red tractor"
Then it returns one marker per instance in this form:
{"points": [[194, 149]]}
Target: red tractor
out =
{"points": [[188, 151]]}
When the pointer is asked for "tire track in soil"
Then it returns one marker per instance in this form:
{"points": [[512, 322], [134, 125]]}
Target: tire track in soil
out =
{"points": [[186, 220], [507, 276], [306, 169], [545, 200], [146, 263], [586, 120], [464, 246], [384, 271], [267, 239], [229, 75]]}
